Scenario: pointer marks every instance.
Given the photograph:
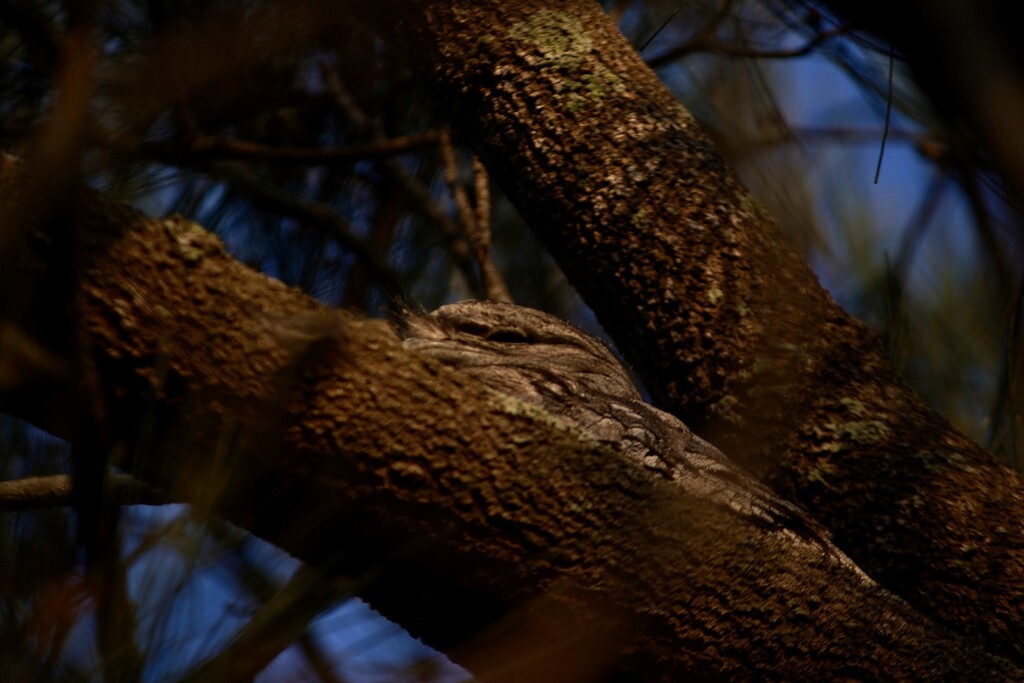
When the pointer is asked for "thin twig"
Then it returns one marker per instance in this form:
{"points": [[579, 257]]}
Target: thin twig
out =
{"points": [[918, 224], [463, 208], [413, 188], [661, 28], [475, 220], [216, 147], [275, 199], [480, 237], [888, 115], [709, 43], [317, 213], [34, 493]]}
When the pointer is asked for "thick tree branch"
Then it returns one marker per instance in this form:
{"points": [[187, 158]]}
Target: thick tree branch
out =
{"points": [[726, 325], [322, 435]]}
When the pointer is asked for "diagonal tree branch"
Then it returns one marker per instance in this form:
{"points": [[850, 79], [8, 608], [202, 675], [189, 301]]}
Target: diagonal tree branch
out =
{"points": [[330, 440], [726, 325]]}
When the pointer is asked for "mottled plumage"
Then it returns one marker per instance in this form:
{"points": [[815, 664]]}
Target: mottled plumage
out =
{"points": [[541, 359]]}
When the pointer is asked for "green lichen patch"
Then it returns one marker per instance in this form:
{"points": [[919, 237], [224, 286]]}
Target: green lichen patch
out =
{"points": [[601, 83], [938, 460], [192, 241], [726, 410], [558, 37], [588, 87], [821, 472], [840, 436], [557, 42], [857, 408], [641, 219]]}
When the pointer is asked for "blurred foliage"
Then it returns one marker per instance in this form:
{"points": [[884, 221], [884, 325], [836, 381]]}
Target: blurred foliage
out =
{"points": [[313, 149]]}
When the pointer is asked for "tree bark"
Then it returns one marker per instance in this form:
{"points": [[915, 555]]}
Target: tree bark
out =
{"points": [[725, 324], [451, 504]]}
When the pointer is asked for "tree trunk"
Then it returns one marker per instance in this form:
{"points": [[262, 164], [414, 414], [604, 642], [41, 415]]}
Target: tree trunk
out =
{"points": [[725, 324]]}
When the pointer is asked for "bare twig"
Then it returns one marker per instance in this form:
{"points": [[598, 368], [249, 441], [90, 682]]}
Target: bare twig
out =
{"points": [[205, 146], [888, 115], [926, 146], [275, 199], [475, 220], [661, 28], [414, 189], [451, 176], [709, 43], [482, 196], [480, 236], [321, 215], [389, 208], [33, 493]]}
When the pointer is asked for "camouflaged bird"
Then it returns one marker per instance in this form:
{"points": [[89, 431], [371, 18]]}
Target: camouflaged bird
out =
{"points": [[538, 358]]}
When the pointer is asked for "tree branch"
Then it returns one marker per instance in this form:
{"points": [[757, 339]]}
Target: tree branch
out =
{"points": [[726, 325], [319, 433], [222, 148], [33, 493]]}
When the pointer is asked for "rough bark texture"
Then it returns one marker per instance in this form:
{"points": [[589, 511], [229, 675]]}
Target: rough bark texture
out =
{"points": [[725, 324], [453, 504]]}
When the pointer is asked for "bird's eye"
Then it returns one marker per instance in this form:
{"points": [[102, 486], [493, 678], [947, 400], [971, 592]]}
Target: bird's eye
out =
{"points": [[508, 336]]}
